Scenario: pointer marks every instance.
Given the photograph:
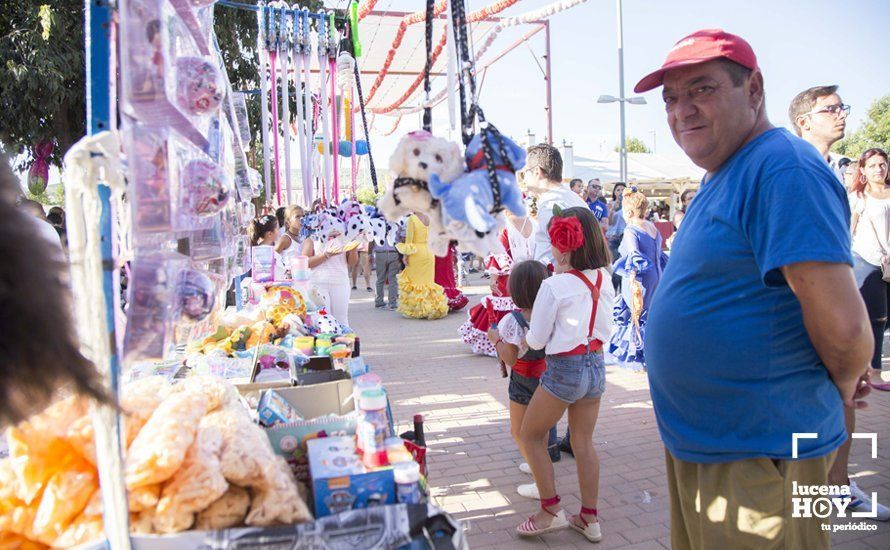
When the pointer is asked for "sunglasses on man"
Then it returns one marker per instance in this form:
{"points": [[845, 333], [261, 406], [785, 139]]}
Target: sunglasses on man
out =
{"points": [[835, 110]]}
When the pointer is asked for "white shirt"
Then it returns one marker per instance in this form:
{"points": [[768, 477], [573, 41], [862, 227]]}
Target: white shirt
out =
{"points": [[561, 315], [874, 221], [512, 333], [560, 196]]}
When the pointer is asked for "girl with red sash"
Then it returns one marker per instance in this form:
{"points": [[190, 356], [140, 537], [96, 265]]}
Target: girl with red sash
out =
{"points": [[570, 321]]}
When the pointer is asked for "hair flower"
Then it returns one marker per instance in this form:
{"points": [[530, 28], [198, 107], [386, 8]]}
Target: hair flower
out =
{"points": [[566, 234]]}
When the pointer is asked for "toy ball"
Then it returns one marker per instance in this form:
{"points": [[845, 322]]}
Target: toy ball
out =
{"points": [[199, 85], [196, 294], [361, 147], [345, 148], [204, 185]]}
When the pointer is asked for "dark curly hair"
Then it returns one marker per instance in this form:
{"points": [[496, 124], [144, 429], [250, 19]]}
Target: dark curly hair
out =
{"points": [[39, 350]]}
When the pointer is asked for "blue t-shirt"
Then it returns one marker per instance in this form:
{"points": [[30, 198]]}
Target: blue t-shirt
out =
{"points": [[731, 367], [599, 209]]}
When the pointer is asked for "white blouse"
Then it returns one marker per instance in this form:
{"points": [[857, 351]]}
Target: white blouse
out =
{"points": [[561, 314], [872, 233], [512, 333]]}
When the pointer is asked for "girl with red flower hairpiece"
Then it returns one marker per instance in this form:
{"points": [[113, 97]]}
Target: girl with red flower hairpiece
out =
{"points": [[570, 320]]}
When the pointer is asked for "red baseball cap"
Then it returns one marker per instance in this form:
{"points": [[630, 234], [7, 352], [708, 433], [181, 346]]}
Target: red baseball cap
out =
{"points": [[699, 47]]}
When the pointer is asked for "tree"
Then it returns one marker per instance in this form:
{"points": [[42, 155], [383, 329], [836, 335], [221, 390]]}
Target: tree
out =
{"points": [[634, 145], [874, 132], [41, 76]]}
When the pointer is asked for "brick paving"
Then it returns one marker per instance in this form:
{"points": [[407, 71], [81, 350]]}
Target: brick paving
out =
{"points": [[474, 462]]}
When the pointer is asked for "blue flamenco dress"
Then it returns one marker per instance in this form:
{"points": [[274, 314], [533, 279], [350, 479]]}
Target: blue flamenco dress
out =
{"points": [[640, 252]]}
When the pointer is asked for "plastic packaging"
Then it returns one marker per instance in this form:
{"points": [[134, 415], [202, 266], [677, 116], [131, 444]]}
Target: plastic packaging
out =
{"points": [[152, 310], [373, 428], [205, 188], [407, 478], [396, 451], [263, 264], [195, 294], [164, 76]]}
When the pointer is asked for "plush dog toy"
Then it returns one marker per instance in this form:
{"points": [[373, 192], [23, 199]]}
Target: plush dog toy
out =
{"points": [[469, 200], [418, 157]]}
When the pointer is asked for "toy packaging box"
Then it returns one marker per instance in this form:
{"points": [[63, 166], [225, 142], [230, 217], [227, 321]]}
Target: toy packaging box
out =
{"points": [[340, 481]]}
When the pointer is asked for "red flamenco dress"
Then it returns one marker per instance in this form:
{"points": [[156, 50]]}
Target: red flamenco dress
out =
{"points": [[445, 279], [493, 307]]}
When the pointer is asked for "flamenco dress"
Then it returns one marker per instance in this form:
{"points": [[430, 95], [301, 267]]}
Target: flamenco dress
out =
{"points": [[419, 296]]}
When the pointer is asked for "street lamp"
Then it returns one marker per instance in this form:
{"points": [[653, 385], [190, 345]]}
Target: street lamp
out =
{"points": [[638, 100]]}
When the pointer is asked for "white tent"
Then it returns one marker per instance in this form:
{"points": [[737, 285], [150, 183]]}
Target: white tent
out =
{"points": [[641, 167]]}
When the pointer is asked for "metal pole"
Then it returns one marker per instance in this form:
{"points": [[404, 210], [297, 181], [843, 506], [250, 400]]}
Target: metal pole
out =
{"points": [[98, 44], [621, 99], [549, 107]]}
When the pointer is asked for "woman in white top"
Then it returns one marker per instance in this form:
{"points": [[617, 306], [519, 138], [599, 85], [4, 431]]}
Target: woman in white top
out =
{"points": [[330, 273], [571, 321], [870, 223], [290, 242]]}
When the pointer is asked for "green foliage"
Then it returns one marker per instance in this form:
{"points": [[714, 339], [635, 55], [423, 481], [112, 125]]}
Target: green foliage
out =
{"points": [[41, 76], [366, 195], [55, 198], [236, 32], [634, 145], [874, 132]]}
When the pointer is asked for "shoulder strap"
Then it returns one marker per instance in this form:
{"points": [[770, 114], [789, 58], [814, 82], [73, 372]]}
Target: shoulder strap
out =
{"points": [[594, 291], [520, 319]]}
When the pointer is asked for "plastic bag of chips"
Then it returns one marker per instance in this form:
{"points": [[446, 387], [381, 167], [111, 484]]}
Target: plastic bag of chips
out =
{"points": [[82, 530], [228, 511], [219, 392], [160, 448], [199, 482], [65, 497], [247, 455], [280, 501]]}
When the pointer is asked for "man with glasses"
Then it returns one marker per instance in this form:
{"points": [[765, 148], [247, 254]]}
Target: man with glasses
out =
{"points": [[543, 176], [596, 203], [820, 117]]}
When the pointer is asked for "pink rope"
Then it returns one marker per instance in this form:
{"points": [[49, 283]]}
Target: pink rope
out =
{"points": [[354, 157], [335, 130], [273, 58]]}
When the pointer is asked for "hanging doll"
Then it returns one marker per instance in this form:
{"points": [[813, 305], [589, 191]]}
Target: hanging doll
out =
{"points": [[418, 157], [468, 201]]}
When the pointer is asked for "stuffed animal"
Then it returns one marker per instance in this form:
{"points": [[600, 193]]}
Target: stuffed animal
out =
{"points": [[469, 200], [347, 209], [321, 322], [359, 227], [418, 156]]}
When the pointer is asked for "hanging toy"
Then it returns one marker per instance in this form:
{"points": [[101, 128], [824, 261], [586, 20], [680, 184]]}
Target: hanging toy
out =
{"points": [[38, 174], [195, 294], [200, 86], [470, 198], [263, 46], [204, 187]]}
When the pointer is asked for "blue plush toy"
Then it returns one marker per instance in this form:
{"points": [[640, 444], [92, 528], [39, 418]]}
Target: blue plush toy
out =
{"points": [[469, 199]]}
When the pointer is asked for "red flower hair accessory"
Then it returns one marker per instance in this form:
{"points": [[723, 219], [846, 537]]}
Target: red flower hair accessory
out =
{"points": [[566, 234]]}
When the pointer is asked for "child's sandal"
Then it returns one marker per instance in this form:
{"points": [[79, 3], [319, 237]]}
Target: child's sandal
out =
{"points": [[529, 529], [591, 531]]}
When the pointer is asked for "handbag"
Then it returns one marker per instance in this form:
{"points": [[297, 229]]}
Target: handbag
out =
{"points": [[885, 255]]}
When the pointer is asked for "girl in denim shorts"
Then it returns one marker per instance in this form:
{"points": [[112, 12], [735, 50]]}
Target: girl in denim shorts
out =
{"points": [[526, 366], [570, 321]]}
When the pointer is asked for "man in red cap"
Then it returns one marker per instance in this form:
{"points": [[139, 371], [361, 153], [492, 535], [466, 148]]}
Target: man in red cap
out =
{"points": [[757, 334]]}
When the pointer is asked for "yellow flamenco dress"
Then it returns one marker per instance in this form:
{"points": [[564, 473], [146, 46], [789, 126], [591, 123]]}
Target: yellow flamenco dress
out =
{"points": [[419, 296]]}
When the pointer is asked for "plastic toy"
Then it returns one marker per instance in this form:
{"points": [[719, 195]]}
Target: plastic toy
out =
{"points": [[196, 294], [204, 187], [200, 86]]}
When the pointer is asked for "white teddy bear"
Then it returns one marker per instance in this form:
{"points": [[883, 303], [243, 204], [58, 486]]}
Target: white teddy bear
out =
{"points": [[418, 156]]}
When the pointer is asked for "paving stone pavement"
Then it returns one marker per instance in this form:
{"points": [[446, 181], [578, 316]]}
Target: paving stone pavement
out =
{"points": [[474, 462]]}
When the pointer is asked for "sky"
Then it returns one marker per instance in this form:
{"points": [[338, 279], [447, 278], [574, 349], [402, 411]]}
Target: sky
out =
{"points": [[799, 44]]}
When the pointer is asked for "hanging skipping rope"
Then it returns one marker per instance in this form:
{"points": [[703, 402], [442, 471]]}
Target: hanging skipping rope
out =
{"points": [[334, 144], [427, 107], [301, 49], [323, 46], [469, 114], [285, 32], [263, 49], [273, 65]]}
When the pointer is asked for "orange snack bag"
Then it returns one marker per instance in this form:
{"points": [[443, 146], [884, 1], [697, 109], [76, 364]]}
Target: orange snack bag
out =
{"points": [[199, 482]]}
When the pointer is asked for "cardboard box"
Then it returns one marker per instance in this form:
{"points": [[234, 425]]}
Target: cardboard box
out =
{"points": [[340, 481], [331, 401]]}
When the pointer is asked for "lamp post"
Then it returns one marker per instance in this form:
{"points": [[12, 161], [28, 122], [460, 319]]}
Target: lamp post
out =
{"points": [[638, 100]]}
